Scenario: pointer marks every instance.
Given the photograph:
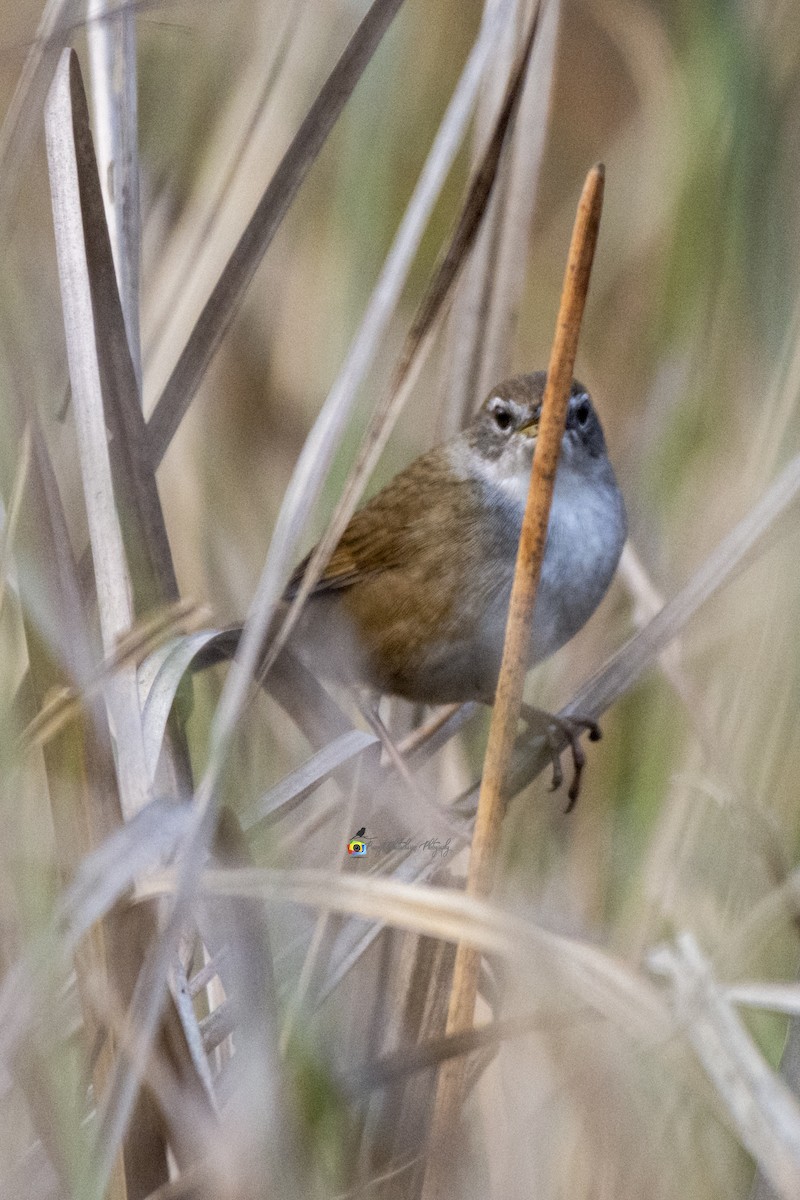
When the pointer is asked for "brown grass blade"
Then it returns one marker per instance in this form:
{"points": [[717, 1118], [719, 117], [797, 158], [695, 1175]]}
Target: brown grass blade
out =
{"points": [[184, 268], [79, 761], [508, 268], [761, 1108], [100, 371], [111, 40], [67, 146], [134, 486], [12, 516], [595, 976], [224, 301], [483, 321]]}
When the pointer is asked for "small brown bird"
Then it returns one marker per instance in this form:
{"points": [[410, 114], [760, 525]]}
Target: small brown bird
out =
{"points": [[415, 597]]}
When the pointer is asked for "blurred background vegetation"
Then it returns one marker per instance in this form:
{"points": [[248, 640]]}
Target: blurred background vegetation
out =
{"points": [[691, 347]]}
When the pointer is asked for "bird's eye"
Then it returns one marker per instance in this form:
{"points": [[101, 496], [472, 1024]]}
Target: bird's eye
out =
{"points": [[502, 417], [582, 412]]}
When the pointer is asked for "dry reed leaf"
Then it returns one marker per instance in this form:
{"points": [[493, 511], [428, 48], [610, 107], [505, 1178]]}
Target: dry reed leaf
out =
{"points": [[294, 787], [158, 679], [483, 322], [152, 574], [83, 342], [111, 41], [763, 1111], [12, 516], [185, 265], [224, 301], [143, 640], [593, 975], [774, 997], [21, 122]]}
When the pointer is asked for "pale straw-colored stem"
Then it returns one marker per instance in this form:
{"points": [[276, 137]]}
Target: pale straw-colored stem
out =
{"points": [[508, 700]]}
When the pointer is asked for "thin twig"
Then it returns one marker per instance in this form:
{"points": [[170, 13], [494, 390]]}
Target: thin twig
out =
{"points": [[492, 799]]}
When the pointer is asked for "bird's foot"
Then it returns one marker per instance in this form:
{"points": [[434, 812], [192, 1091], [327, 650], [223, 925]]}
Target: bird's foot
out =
{"points": [[557, 731]]}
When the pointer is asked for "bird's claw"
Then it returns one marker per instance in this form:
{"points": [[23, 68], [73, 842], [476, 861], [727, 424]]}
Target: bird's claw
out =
{"points": [[555, 731]]}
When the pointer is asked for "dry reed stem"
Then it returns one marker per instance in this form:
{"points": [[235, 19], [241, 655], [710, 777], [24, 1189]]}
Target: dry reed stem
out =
{"points": [[226, 297], [508, 700]]}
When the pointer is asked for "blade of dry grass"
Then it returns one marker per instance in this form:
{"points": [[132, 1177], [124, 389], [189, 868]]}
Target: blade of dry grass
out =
{"points": [[508, 268], [158, 679], [12, 515], [111, 40], [151, 574], [113, 582], [774, 997], [482, 324], [70, 150], [437, 732], [223, 303], [184, 268], [298, 784], [595, 977], [508, 700], [79, 766], [761, 1108], [100, 369], [142, 521], [467, 320], [21, 123]]}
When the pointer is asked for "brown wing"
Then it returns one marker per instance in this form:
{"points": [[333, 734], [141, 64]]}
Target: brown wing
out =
{"points": [[381, 535], [344, 569]]}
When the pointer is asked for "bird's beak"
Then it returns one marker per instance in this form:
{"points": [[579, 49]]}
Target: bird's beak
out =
{"points": [[531, 429]]}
